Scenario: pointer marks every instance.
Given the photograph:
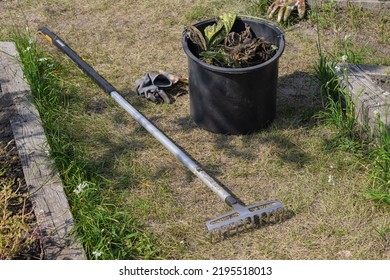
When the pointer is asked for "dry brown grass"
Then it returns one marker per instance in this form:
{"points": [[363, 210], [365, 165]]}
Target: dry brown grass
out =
{"points": [[125, 39]]}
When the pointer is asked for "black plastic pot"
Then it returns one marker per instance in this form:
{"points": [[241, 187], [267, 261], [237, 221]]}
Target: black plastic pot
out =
{"points": [[234, 100]]}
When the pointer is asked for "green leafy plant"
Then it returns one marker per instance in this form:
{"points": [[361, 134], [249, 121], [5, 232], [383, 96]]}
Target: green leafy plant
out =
{"points": [[214, 35], [219, 45], [340, 110]]}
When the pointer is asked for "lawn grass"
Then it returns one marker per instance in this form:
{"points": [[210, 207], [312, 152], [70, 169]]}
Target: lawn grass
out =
{"points": [[140, 202], [104, 230]]}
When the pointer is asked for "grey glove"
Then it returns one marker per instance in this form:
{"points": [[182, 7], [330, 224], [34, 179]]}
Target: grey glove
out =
{"points": [[150, 87]]}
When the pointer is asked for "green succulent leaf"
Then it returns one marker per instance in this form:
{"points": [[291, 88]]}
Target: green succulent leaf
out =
{"points": [[228, 20], [214, 34], [196, 37], [212, 54]]}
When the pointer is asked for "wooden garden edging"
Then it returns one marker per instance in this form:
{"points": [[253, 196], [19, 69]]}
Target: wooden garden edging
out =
{"points": [[46, 190], [372, 103]]}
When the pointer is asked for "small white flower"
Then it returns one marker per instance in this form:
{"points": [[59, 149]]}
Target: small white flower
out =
{"points": [[79, 189], [344, 58], [42, 59], [386, 93], [30, 41], [337, 68], [97, 254], [28, 48], [331, 180]]}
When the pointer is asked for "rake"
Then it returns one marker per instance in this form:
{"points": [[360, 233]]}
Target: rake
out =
{"points": [[241, 216]]}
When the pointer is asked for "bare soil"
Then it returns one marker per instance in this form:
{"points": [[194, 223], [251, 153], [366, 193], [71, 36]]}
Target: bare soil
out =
{"points": [[15, 172], [382, 81]]}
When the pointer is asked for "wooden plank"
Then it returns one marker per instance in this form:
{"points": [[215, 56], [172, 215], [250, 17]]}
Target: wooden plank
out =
{"points": [[47, 194], [372, 103]]}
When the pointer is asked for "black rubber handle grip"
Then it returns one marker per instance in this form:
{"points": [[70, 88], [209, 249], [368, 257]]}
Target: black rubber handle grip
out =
{"points": [[55, 40]]}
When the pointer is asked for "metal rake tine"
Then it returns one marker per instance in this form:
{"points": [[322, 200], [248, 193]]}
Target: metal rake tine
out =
{"points": [[245, 216], [275, 215], [247, 222], [252, 222], [272, 216], [281, 214], [255, 223], [284, 214], [278, 214], [260, 220], [214, 234]]}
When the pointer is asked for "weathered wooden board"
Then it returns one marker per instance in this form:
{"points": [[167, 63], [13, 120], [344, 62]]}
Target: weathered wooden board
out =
{"points": [[372, 103], [47, 194]]}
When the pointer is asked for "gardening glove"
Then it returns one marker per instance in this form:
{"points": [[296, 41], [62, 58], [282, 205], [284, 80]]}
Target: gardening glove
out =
{"points": [[173, 78], [149, 87], [161, 80], [285, 8]]}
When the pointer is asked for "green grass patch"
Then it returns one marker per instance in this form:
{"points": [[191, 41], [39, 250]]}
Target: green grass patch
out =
{"points": [[379, 189], [105, 231], [340, 113]]}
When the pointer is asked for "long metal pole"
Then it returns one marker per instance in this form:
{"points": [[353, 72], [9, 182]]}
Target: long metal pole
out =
{"points": [[195, 168]]}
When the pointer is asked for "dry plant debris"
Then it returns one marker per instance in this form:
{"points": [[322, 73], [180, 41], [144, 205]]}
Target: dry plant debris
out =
{"points": [[245, 50], [19, 237]]}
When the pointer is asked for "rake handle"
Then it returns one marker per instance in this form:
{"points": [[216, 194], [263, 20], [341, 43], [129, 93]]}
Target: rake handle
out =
{"points": [[61, 45], [196, 169]]}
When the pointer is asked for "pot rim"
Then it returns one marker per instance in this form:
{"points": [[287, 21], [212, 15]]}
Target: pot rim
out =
{"points": [[235, 70]]}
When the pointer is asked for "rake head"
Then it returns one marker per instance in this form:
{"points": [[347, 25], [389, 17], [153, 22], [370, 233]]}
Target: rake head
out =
{"points": [[243, 216]]}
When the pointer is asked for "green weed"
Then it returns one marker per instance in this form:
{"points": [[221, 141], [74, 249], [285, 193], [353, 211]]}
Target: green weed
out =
{"points": [[384, 30], [356, 15], [379, 189], [259, 8], [329, 83], [340, 112], [324, 15]]}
